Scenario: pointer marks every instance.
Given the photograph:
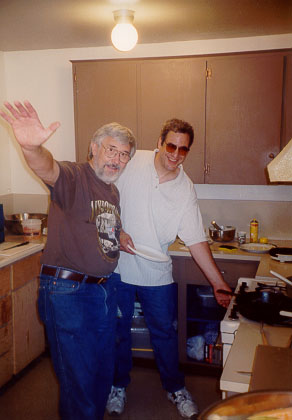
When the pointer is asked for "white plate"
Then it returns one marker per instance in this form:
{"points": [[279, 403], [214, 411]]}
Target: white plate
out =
{"points": [[257, 248], [149, 253]]}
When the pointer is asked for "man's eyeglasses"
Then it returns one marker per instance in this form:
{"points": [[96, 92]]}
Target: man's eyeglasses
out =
{"points": [[182, 150], [111, 152]]}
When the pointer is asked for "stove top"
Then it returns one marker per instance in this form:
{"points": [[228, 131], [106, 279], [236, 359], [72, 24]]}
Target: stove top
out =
{"points": [[233, 317]]}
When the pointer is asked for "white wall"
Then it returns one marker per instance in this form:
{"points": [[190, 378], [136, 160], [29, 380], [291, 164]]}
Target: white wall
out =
{"points": [[5, 160], [45, 78]]}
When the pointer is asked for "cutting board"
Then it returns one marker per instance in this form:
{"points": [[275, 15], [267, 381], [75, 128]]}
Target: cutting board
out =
{"points": [[13, 251], [272, 369]]}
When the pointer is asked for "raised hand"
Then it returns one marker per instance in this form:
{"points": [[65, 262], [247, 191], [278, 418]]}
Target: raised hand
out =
{"points": [[27, 128]]}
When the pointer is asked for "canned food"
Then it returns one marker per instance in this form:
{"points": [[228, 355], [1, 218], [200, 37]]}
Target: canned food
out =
{"points": [[254, 230]]}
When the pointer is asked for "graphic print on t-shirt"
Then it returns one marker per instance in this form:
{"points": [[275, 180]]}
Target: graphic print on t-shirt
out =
{"points": [[108, 224]]}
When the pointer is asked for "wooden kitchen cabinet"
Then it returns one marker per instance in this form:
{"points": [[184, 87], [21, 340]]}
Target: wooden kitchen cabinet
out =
{"points": [[22, 337], [28, 331], [243, 124], [173, 88], [237, 104], [185, 273], [104, 92], [287, 101], [6, 348]]}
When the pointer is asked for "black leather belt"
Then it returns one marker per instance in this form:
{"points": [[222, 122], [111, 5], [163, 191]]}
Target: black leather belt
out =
{"points": [[61, 273]]}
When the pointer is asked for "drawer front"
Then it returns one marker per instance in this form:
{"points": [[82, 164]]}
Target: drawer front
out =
{"points": [[5, 338], [5, 310], [186, 271], [232, 271], [25, 270], [5, 280]]}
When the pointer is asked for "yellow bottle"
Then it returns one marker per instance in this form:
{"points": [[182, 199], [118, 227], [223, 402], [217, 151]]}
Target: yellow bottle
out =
{"points": [[254, 230]]}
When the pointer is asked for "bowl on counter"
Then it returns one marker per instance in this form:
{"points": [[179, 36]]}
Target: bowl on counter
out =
{"points": [[224, 234], [13, 221]]}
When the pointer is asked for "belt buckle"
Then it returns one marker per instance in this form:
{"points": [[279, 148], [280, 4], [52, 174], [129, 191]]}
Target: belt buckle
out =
{"points": [[101, 280]]}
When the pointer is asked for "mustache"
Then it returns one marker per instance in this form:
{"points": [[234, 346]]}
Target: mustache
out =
{"points": [[113, 166]]}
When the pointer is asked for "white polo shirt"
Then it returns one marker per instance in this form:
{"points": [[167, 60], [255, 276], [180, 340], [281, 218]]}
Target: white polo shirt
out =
{"points": [[154, 214]]}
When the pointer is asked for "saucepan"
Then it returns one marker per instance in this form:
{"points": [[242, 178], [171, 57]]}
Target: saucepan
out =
{"points": [[251, 405], [221, 233]]}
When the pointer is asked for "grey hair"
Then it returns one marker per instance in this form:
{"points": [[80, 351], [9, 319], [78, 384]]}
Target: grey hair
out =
{"points": [[115, 130]]}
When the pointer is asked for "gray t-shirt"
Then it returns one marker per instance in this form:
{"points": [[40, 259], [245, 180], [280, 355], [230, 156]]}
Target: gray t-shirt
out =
{"points": [[84, 222]]}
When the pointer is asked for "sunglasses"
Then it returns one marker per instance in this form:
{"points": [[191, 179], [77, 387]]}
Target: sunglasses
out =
{"points": [[182, 150]]}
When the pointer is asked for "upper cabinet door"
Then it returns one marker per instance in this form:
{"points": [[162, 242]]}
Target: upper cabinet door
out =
{"points": [[173, 88], [243, 117], [104, 92], [287, 102]]}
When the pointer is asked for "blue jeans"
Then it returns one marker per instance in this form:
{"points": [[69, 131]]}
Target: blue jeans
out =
{"points": [[80, 321], [159, 305]]}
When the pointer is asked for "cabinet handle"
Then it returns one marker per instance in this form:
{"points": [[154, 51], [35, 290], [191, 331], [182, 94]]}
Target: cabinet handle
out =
{"points": [[222, 271], [207, 169], [271, 155]]}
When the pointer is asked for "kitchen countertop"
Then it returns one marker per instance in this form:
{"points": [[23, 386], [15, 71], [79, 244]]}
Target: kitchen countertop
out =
{"points": [[266, 263], [16, 254], [238, 369]]}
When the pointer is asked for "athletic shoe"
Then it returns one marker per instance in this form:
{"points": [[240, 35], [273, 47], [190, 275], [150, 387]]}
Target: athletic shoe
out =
{"points": [[116, 400], [184, 403]]}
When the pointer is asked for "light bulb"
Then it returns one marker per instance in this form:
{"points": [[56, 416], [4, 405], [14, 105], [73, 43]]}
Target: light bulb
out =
{"points": [[124, 36]]}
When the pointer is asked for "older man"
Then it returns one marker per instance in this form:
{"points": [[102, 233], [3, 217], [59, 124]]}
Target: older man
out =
{"points": [[77, 296], [158, 202]]}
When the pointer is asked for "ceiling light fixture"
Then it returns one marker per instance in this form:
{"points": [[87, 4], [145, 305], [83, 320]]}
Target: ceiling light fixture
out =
{"points": [[124, 35]]}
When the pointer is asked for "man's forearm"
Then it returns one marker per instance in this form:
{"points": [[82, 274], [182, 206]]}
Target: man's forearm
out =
{"points": [[203, 257], [41, 161]]}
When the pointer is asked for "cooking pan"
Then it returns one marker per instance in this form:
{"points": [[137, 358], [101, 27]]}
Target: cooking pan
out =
{"points": [[289, 288], [287, 280], [263, 305], [281, 254]]}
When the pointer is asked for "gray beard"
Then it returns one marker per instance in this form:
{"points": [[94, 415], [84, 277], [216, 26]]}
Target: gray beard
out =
{"points": [[99, 172]]}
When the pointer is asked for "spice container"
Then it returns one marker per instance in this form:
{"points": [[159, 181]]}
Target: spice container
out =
{"points": [[254, 230], [241, 237]]}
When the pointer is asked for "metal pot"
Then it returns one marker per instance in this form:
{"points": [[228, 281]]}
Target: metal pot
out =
{"points": [[13, 221], [225, 234], [247, 404]]}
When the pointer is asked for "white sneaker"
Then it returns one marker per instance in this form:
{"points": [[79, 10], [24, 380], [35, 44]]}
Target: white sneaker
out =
{"points": [[116, 400], [184, 403]]}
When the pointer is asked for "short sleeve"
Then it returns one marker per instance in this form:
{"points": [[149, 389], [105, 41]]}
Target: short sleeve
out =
{"points": [[191, 229], [64, 189]]}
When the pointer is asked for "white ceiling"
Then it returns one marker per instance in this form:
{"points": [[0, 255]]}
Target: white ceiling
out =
{"points": [[52, 24]]}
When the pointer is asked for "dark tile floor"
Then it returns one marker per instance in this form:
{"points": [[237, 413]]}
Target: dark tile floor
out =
{"points": [[34, 395]]}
